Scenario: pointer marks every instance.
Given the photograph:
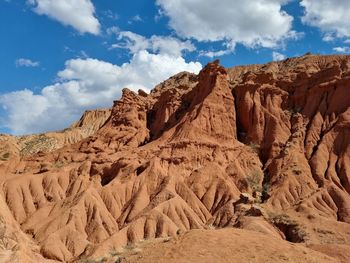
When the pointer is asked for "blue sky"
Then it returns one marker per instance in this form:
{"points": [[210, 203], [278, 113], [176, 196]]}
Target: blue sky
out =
{"points": [[61, 57]]}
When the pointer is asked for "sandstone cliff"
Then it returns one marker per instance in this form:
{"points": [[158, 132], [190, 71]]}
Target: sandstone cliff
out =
{"points": [[263, 148]]}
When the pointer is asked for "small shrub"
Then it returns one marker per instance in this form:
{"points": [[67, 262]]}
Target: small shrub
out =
{"points": [[102, 260], [280, 218], [297, 172], [58, 164], [324, 231], [5, 157], [253, 181], [291, 229], [114, 253], [7, 241], [119, 260], [254, 146], [130, 246], [294, 111], [265, 190], [183, 107]]}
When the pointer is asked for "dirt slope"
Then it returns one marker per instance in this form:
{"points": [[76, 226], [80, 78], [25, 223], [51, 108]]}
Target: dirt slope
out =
{"points": [[263, 148], [225, 245]]}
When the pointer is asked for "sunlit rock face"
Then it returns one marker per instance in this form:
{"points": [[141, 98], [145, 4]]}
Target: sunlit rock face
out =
{"points": [[262, 148]]}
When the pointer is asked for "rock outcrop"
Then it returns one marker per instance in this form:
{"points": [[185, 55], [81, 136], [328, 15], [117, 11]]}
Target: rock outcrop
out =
{"points": [[263, 148], [89, 124]]}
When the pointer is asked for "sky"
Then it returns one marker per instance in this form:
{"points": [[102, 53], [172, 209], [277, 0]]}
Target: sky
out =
{"points": [[59, 58]]}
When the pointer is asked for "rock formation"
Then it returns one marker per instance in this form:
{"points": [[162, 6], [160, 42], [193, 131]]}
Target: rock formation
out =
{"points": [[89, 123], [263, 148]]}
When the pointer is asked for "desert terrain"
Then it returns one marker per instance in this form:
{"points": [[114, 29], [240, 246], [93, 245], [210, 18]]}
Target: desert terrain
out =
{"points": [[242, 164]]}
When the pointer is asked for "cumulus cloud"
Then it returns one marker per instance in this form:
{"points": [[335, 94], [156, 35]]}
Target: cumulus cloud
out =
{"points": [[330, 16], [157, 44], [342, 49], [24, 62], [252, 23], [276, 56], [76, 13], [84, 84]]}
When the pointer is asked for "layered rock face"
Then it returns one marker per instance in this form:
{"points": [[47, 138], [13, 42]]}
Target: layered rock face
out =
{"points": [[89, 123], [262, 148]]}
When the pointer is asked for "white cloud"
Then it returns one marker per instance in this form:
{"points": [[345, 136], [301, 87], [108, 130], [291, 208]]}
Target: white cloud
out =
{"points": [[157, 44], [84, 84], [111, 15], [136, 18], [328, 37], [229, 47], [24, 62], [213, 54], [159, 15], [113, 30], [330, 16], [76, 13], [342, 49], [252, 23], [132, 41], [276, 56]]}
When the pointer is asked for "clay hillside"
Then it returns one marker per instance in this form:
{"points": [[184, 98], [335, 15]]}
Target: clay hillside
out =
{"points": [[247, 164], [18, 146]]}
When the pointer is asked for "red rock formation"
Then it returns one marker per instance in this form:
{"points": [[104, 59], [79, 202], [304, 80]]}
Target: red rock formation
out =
{"points": [[180, 158]]}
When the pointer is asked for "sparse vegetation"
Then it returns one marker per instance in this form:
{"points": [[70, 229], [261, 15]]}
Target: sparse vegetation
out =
{"points": [[7, 241], [119, 260], [39, 143], [324, 231], [297, 172], [114, 256], [254, 180], [265, 190], [291, 229], [130, 246], [114, 253], [280, 218], [183, 107], [294, 111], [102, 260], [295, 169], [255, 147], [211, 226], [5, 157], [58, 164]]}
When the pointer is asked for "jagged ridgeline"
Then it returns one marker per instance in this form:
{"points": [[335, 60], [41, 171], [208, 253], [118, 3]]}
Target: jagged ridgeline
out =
{"points": [[263, 148]]}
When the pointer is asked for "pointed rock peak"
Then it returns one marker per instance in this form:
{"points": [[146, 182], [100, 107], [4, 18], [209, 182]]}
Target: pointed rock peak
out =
{"points": [[92, 119], [211, 115], [212, 69], [128, 94], [130, 97], [213, 79]]}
